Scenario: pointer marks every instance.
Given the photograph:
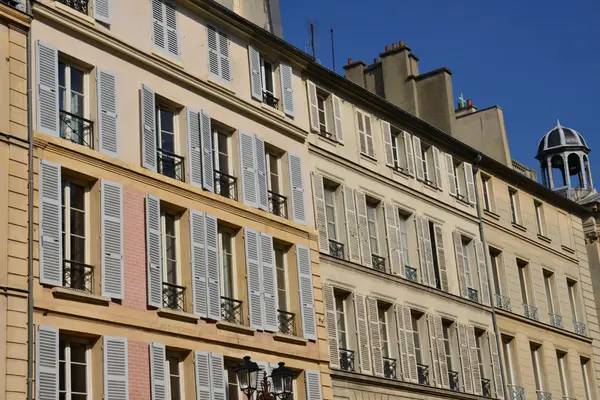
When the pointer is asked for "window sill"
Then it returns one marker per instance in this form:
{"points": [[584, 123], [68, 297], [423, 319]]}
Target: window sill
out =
{"points": [[272, 110], [491, 214], [176, 62], [228, 326], [544, 238], [76, 295], [567, 249], [75, 13], [177, 315], [519, 227], [282, 337], [368, 158]]}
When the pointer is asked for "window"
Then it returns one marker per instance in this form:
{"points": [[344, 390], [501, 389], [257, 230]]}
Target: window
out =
{"points": [[74, 369], [340, 313], [383, 330], [330, 213], [365, 134], [514, 206], [221, 152], [169, 163], [460, 180], [169, 235], [226, 261], [372, 219], [267, 77], [321, 105], [281, 278], [399, 149], [487, 194], [523, 282], [273, 172], [72, 88], [539, 218], [277, 202], [536, 359], [586, 374], [465, 252], [165, 35], [496, 261], [575, 307], [415, 317], [174, 369], [448, 345], [434, 247], [77, 274], [231, 386], [563, 371], [550, 287], [225, 182], [509, 359], [403, 225], [480, 343]]}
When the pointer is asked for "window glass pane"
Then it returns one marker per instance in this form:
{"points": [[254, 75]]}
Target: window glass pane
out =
{"points": [[77, 249], [77, 196], [227, 264], [77, 76], [62, 376], [268, 77], [281, 279], [167, 142], [77, 107], [78, 378], [232, 387], [274, 172], [166, 120]]}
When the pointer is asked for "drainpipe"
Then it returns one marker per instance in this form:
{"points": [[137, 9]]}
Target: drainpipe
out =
{"points": [[30, 328], [487, 273]]}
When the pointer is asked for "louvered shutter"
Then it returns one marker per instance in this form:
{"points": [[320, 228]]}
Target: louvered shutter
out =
{"points": [[208, 173], [436, 165], [116, 375], [363, 228], [202, 372], [320, 213], [393, 239], [428, 252], [484, 289], [148, 123], [217, 376], [418, 158], [331, 324], [353, 245], [213, 51], [477, 387], [46, 363], [441, 350], [199, 266], [360, 120], [108, 129], [369, 136], [305, 285], [465, 358], [376, 350], [102, 11], [433, 350], [253, 273], [172, 29], [402, 351], [159, 26], [460, 263], [362, 331], [451, 174], [410, 346], [261, 174], [422, 250], [337, 118], [212, 267], [158, 375], [387, 143], [441, 256], [470, 183], [224, 61], [111, 205], [269, 281], [194, 148], [408, 151], [497, 373], [313, 385], [248, 169], [313, 109], [297, 188], [154, 251], [255, 75], [287, 90], [47, 82], [50, 200]]}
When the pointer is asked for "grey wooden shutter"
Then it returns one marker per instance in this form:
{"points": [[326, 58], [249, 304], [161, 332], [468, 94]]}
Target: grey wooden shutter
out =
{"points": [[441, 350], [159, 26], [111, 204], [313, 385], [441, 256], [224, 61], [408, 151], [435, 362], [217, 376], [353, 246], [363, 228], [484, 289], [199, 267], [497, 373], [470, 183], [154, 251], [213, 272], [116, 368], [465, 358], [428, 252], [194, 147], [422, 250], [369, 138], [202, 372], [337, 118], [248, 169], [450, 173], [410, 346], [472, 341], [418, 158], [393, 239], [387, 143], [297, 188], [436, 165], [46, 363], [102, 11], [362, 330], [172, 29], [47, 89], [402, 332], [376, 348], [213, 51], [148, 124], [360, 120], [331, 324], [255, 74], [320, 212], [253, 273], [158, 375], [313, 109], [287, 89], [50, 204], [269, 282], [208, 173], [108, 129], [305, 286], [261, 174], [460, 263]]}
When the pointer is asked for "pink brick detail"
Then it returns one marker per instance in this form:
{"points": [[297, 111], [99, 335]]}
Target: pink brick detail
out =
{"points": [[139, 371], [134, 233]]}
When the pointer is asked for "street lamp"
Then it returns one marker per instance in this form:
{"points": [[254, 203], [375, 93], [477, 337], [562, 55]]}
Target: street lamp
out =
{"points": [[279, 388]]}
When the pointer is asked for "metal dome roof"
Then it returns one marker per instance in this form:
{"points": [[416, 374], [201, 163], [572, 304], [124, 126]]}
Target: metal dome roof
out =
{"points": [[559, 138]]}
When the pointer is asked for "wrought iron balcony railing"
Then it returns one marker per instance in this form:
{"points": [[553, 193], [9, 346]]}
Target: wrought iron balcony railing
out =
{"points": [[556, 320], [423, 373], [270, 100], [170, 164], [336, 249], [454, 381], [286, 322], [378, 262], [411, 273], [516, 392], [78, 5], [78, 276], [503, 302], [277, 204], [389, 368], [76, 129], [231, 310], [543, 395], [530, 312], [486, 387], [226, 185], [173, 296], [473, 295], [580, 328], [347, 360]]}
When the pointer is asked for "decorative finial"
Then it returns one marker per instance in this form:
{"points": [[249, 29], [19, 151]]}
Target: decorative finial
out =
{"points": [[557, 123], [461, 101]]}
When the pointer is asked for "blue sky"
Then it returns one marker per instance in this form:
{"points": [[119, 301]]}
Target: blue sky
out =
{"points": [[539, 60]]}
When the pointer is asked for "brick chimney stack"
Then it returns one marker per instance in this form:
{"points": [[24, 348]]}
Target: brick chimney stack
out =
{"points": [[355, 72]]}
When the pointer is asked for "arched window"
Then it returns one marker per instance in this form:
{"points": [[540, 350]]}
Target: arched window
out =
{"points": [[559, 177], [574, 175]]}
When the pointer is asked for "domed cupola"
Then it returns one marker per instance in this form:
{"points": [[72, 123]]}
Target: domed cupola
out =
{"points": [[560, 138]]}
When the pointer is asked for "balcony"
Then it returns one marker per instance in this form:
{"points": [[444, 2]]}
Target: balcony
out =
{"points": [[556, 321], [503, 302], [516, 392], [378, 263], [389, 368], [423, 373], [78, 5], [580, 328], [277, 204], [270, 100], [76, 129], [530, 312], [173, 296], [473, 295], [454, 381], [336, 249], [411, 273], [231, 310], [226, 185], [286, 321], [543, 395], [170, 164], [486, 387], [78, 276], [347, 360]]}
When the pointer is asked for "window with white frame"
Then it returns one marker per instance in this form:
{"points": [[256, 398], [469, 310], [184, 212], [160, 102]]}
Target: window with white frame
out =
{"points": [[487, 192], [169, 238], [429, 164], [564, 374], [330, 213], [77, 274], [551, 295], [170, 163], [460, 180], [232, 389], [399, 149], [573, 299], [322, 107], [586, 372], [221, 152], [267, 75], [480, 342], [403, 220], [514, 206], [72, 100], [536, 361], [523, 269], [469, 269], [372, 222], [226, 240], [340, 318], [497, 270], [365, 134], [174, 370], [382, 310], [415, 318], [282, 290], [539, 218], [449, 343], [74, 369]]}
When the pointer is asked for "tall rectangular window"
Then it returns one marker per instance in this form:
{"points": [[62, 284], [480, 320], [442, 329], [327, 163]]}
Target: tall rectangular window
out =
{"points": [[586, 374], [74, 369], [446, 327], [72, 84], [415, 317], [330, 213], [169, 162], [169, 236], [395, 158], [372, 218], [563, 371], [496, 269], [487, 196], [274, 174], [281, 278], [468, 272], [221, 152], [267, 76], [572, 288], [514, 206], [521, 266], [226, 261], [509, 360], [536, 360], [74, 222], [321, 101], [174, 369], [383, 330], [549, 287], [403, 224], [340, 313], [539, 218], [232, 390]]}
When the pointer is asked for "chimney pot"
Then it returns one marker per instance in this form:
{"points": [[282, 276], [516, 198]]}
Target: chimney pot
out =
{"points": [[401, 43], [376, 60], [387, 48], [350, 61], [394, 46], [469, 103]]}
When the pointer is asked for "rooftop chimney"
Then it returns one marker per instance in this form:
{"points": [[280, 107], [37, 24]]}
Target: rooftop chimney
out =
{"points": [[355, 72]]}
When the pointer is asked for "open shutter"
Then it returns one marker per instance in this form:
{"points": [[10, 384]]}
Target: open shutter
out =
{"points": [[497, 373], [331, 324], [313, 385], [224, 61], [198, 260], [116, 375], [441, 350], [102, 11], [194, 147], [248, 169], [297, 188], [418, 158], [413, 375], [422, 250], [172, 29], [433, 350], [158, 375], [451, 174], [255, 76], [362, 331], [402, 351], [363, 228], [208, 174], [436, 165], [465, 358], [253, 274], [287, 91], [50, 230], [470, 183], [484, 290], [351, 225], [213, 51], [148, 123], [369, 136], [428, 252], [46, 363], [47, 90], [360, 121], [393, 239], [217, 376], [108, 130], [305, 284], [261, 174], [269, 281], [441, 256], [154, 251], [313, 109], [387, 143], [337, 118], [112, 239], [159, 26], [320, 213], [212, 267], [460, 263], [202, 371], [376, 349], [408, 151], [477, 387]]}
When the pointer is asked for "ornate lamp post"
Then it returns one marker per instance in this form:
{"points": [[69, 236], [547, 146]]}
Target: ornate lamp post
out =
{"points": [[279, 388]]}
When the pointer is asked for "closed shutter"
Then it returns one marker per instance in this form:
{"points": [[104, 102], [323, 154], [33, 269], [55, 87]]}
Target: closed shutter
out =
{"points": [[287, 90], [158, 375], [217, 376], [331, 324], [255, 75], [428, 252], [269, 281], [484, 288], [224, 61], [465, 358], [194, 147], [433, 350], [418, 158], [422, 250], [305, 284], [253, 273], [451, 174], [393, 239], [351, 225], [212, 267], [102, 11], [47, 90], [387, 143], [112, 239], [410, 346], [313, 109], [369, 132], [441, 350], [50, 200], [408, 151], [116, 369], [460, 263], [441, 256], [320, 213], [248, 169], [477, 387], [46, 363], [313, 385], [213, 51], [470, 183], [497, 373], [362, 331], [159, 26], [376, 349], [360, 120], [148, 123], [297, 188], [436, 165], [198, 258], [261, 174], [172, 29], [363, 228], [337, 118], [202, 372], [208, 174], [108, 130], [154, 251], [402, 351]]}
